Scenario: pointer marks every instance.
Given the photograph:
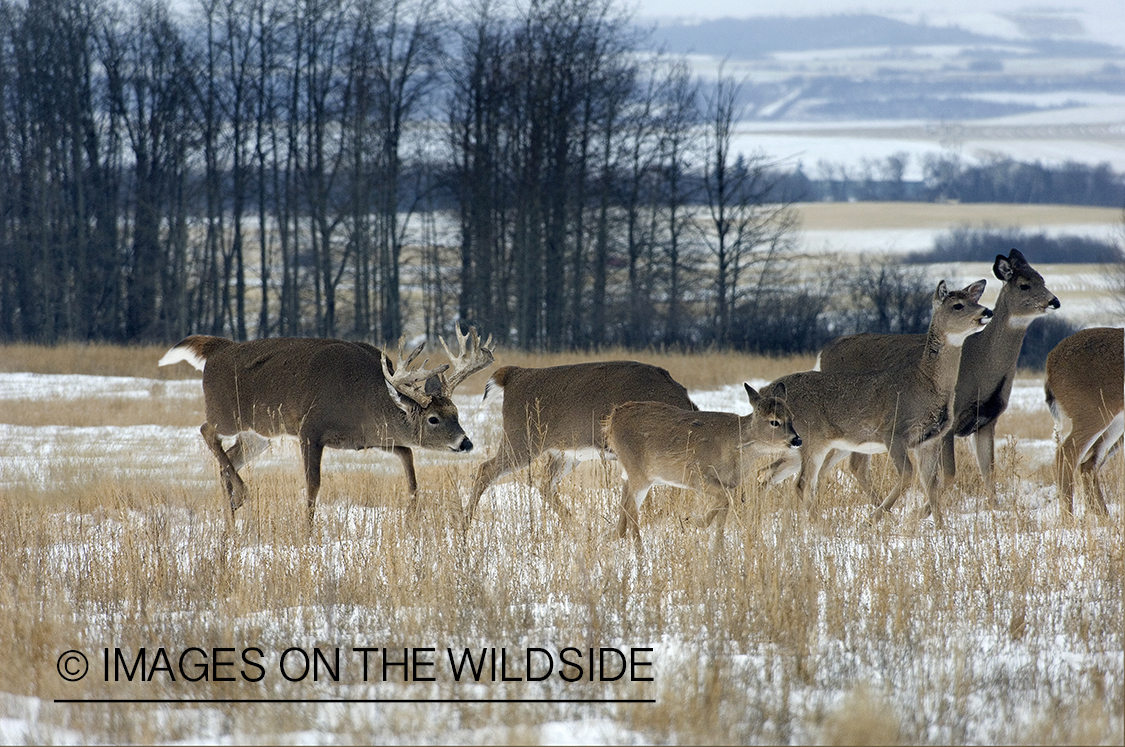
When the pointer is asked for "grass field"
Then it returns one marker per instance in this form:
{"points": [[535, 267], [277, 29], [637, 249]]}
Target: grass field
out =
{"points": [[1007, 626]]}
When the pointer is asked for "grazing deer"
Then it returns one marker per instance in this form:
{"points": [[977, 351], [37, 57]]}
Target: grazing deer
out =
{"points": [[984, 380], [327, 393], [1084, 388], [559, 410], [893, 410], [658, 444]]}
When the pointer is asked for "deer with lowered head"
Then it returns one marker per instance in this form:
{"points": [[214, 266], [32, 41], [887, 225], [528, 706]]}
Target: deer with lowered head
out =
{"points": [[1085, 388], [984, 378], [328, 393], [894, 410], [658, 444], [559, 411]]}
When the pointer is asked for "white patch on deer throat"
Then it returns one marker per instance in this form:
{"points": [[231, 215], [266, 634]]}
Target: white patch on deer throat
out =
{"points": [[957, 339], [1021, 322]]}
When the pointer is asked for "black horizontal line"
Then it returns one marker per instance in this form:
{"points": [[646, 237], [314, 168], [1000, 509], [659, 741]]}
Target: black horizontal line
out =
{"points": [[352, 700]]}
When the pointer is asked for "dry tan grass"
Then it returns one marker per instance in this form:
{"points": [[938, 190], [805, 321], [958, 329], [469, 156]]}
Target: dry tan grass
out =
{"points": [[95, 359], [804, 628]]}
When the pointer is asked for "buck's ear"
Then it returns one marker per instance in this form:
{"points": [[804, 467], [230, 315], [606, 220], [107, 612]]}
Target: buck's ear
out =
{"points": [[755, 398], [401, 401], [434, 386]]}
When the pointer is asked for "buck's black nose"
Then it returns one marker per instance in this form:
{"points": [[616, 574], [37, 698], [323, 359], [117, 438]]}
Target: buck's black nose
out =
{"points": [[795, 442]]}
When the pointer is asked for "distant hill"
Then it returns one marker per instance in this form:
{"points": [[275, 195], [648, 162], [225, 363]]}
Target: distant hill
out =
{"points": [[750, 38]]}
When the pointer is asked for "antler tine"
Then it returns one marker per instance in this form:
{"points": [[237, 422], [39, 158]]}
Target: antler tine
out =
{"points": [[472, 357], [410, 382]]}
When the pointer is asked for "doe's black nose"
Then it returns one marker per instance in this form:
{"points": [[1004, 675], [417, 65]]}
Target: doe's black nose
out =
{"points": [[795, 442], [466, 445]]}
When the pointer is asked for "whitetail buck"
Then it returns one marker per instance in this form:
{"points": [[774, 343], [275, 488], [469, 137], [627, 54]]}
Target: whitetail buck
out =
{"points": [[658, 444], [893, 410], [984, 379], [327, 393], [1085, 387], [559, 410]]}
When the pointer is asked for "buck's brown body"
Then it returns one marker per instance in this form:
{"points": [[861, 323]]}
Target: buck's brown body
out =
{"points": [[560, 409], [329, 394], [1085, 389]]}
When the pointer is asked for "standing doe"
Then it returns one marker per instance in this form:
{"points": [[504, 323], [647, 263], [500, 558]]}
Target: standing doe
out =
{"points": [[984, 378], [559, 410], [1084, 388], [658, 444], [893, 410], [327, 393]]}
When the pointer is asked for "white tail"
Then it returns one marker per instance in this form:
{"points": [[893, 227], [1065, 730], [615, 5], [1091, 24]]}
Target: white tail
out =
{"points": [[559, 411], [893, 410], [1085, 387], [327, 393], [658, 444]]}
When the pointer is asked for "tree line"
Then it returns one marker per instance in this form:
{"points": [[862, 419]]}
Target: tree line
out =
{"points": [[359, 168], [347, 167]]}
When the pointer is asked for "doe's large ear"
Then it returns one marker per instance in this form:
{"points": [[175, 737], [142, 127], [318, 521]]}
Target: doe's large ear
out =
{"points": [[755, 398], [1002, 268], [976, 290], [940, 294]]}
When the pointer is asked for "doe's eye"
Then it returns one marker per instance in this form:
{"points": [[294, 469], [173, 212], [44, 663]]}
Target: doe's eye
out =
{"points": [[775, 423], [1025, 287], [958, 306], [433, 420]]}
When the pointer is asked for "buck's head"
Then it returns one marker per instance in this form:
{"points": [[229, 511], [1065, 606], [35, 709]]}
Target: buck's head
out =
{"points": [[958, 313], [772, 424], [425, 396], [1024, 293]]}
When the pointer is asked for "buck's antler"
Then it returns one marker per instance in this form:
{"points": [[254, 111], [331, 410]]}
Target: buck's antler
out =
{"points": [[472, 358], [411, 382]]}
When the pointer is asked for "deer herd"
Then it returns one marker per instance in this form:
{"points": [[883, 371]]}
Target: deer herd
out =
{"points": [[908, 396]]}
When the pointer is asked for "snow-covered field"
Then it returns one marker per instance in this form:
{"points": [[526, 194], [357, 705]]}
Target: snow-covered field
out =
{"points": [[1006, 626]]}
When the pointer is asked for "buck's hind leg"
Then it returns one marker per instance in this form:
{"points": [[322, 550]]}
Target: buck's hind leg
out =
{"points": [[232, 483], [312, 451], [558, 466]]}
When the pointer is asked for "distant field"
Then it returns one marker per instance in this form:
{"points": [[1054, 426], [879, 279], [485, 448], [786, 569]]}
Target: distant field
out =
{"points": [[821, 216]]}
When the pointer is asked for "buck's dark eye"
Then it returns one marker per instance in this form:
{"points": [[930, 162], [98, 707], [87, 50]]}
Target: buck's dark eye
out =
{"points": [[958, 306], [433, 420], [775, 423], [1025, 287]]}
